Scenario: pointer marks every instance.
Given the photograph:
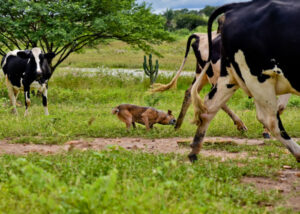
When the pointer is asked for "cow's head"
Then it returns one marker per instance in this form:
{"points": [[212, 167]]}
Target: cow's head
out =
{"points": [[38, 62]]}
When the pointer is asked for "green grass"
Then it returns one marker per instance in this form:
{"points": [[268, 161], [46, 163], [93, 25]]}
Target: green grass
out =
{"points": [[118, 54], [75, 100], [117, 181]]}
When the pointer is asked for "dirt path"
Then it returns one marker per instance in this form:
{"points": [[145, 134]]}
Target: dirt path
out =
{"points": [[165, 145], [168, 145]]}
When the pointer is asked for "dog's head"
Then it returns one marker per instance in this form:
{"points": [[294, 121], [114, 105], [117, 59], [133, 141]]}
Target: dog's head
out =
{"points": [[167, 119]]}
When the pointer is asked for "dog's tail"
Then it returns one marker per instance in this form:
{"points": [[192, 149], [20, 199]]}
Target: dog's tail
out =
{"points": [[115, 110]]}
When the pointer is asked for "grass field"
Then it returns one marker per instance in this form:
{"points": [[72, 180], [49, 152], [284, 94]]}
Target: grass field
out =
{"points": [[118, 54], [119, 181], [80, 106]]}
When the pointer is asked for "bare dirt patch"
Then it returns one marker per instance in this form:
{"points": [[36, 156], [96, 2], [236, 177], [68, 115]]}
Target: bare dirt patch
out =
{"points": [[168, 145], [287, 183]]}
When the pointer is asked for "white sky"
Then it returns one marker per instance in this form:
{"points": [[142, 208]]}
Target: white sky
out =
{"points": [[162, 5]]}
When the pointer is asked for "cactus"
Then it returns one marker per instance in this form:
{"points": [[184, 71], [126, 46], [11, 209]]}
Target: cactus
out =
{"points": [[149, 71]]}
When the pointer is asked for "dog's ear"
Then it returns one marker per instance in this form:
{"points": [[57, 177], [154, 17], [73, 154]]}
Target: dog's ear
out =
{"points": [[169, 112]]}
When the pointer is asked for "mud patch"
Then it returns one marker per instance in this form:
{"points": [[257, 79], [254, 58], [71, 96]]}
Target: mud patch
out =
{"points": [[287, 183]]}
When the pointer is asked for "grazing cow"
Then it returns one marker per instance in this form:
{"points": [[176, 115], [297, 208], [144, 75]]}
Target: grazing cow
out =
{"points": [[24, 69], [200, 48], [259, 53]]}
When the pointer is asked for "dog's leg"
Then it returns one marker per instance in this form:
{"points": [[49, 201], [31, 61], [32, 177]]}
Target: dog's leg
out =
{"points": [[128, 125], [133, 125], [146, 121]]}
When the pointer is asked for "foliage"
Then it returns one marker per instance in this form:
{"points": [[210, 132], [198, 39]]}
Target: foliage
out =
{"points": [[151, 71], [66, 26], [184, 18], [208, 10], [117, 181], [190, 21]]}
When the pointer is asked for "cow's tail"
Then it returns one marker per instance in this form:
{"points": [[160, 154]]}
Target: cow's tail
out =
{"points": [[199, 106], [115, 110], [163, 87]]}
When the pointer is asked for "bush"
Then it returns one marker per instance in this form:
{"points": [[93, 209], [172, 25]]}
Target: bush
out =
{"points": [[190, 21]]}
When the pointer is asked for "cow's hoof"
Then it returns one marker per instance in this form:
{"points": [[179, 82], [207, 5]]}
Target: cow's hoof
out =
{"points": [[193, 158], [266, 135]]}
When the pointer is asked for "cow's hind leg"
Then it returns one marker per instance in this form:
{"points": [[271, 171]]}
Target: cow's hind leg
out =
{"points": [[27, 99], [216, 98], [268, 114], [187, 100], [45, 99], [11, 95], [237, 121], [185, 106], [281, 105]]}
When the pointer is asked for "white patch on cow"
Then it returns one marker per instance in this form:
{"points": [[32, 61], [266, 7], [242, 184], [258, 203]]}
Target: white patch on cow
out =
{"points": [[37, 86], [251, 84], [10, 53], [283, 101], [273, 72], [36, 54], [45, 94]]}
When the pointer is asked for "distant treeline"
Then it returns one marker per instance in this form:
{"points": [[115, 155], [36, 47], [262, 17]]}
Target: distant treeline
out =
{"points": [[184, 18]]}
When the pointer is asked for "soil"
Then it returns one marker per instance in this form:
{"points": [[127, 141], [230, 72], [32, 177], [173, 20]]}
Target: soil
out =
{"points": [[167, 145]]}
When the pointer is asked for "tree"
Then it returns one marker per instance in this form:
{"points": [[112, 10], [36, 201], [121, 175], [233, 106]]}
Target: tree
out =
{"points": [[207, 10], [66, 26], [190, 21], [169, 15]]}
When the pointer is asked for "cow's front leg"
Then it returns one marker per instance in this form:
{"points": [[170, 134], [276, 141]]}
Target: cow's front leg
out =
{"points": [[45, 100], [216, 98], [27, 98]]}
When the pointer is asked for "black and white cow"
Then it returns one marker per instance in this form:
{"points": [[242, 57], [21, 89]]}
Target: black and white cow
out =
{"points": [[200, 48], [25, 69], [259, 54]]}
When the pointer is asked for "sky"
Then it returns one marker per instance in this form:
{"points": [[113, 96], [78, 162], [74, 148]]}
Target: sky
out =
{"points": [[162, 5]]}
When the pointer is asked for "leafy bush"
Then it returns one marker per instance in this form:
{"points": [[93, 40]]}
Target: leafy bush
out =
{"points": [[190, 21]]}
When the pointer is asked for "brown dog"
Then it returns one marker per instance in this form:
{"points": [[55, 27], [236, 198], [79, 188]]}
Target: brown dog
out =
{"points": [[148, 116]]}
